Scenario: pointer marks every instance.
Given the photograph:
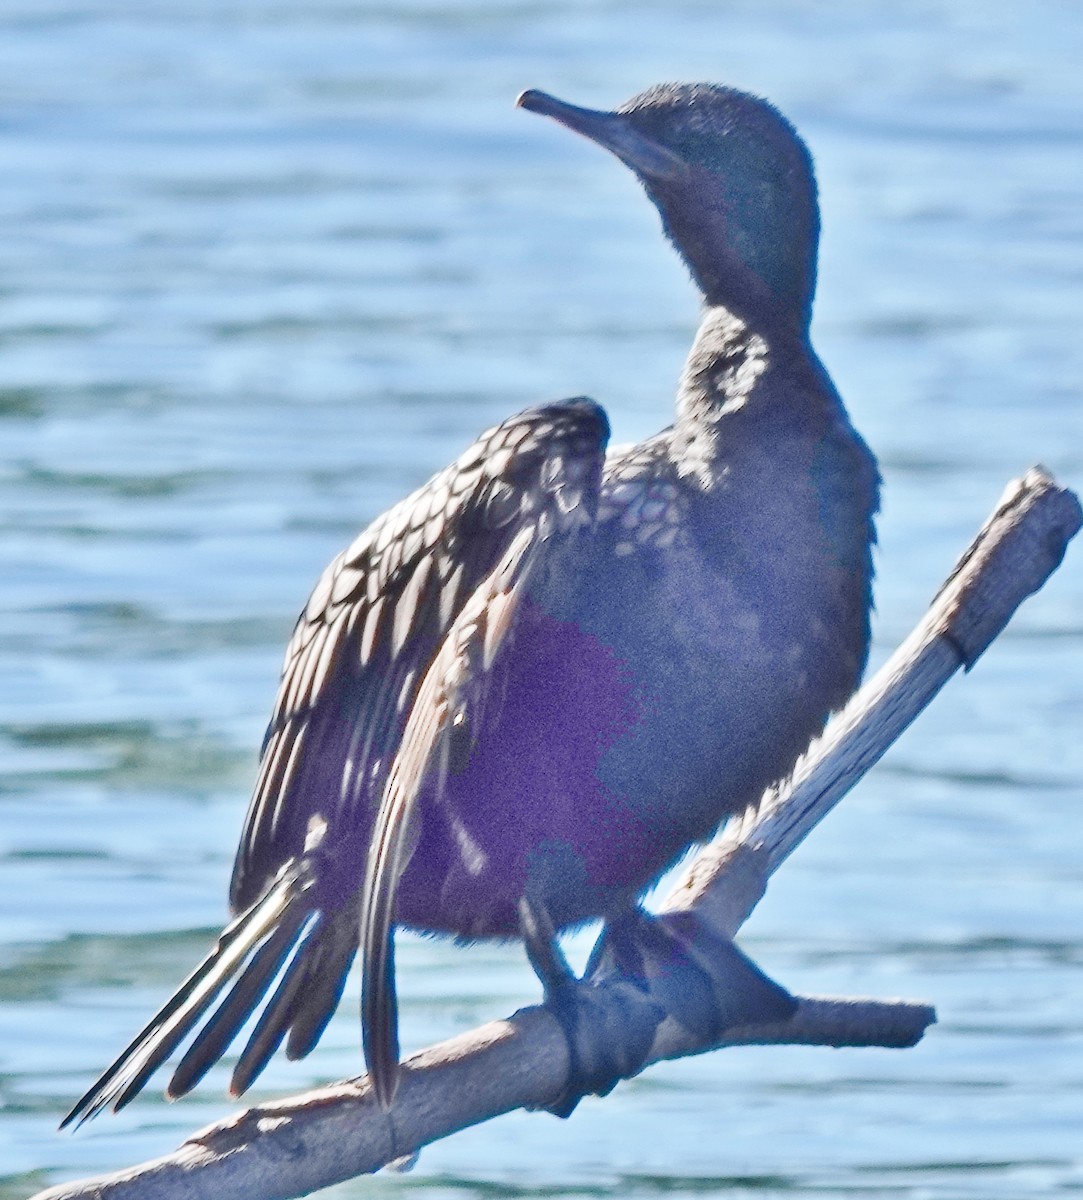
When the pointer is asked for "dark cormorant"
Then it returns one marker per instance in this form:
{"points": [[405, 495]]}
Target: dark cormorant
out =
{"points": [[526, 689]]}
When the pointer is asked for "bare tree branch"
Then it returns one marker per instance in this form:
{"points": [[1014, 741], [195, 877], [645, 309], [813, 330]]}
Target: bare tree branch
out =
{"points": [[290, 1148]]}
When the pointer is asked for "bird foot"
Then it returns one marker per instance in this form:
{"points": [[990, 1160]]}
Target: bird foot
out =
{"points": [[699, 977], [644, 969], [608, 1027]]}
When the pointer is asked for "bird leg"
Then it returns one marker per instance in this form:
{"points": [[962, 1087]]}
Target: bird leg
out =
{"points": [[603, 1048], [649, 966]]}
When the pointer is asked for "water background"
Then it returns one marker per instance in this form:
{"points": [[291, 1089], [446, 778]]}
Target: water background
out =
{"points": [[264, 266]]}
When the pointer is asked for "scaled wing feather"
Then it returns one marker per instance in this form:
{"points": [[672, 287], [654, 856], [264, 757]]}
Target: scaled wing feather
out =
{"points": [[377, 620]]}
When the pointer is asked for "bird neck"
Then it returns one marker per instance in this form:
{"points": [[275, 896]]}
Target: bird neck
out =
{"points": [[722, 382], [749, 251]]}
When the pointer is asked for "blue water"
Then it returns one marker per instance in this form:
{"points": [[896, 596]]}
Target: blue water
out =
{"points": [[264, 265]]}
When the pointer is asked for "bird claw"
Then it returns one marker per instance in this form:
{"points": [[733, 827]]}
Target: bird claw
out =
{"points": [[701, 978], [609, 1030], [643, 970]]}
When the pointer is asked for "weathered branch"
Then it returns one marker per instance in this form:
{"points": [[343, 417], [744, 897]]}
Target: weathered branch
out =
{"points": [[295, 1146]]}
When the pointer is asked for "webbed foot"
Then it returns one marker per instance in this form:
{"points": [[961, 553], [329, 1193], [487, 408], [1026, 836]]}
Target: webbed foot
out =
{"points": [[608, 1028], [643, 969]]}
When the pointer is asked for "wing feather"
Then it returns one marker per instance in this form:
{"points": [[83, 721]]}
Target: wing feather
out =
{"points": [[465, 657], [434, 579], [378, 615]]}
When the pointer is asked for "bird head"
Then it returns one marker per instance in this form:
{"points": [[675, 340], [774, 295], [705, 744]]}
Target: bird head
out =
{"points": [[733, 183]]}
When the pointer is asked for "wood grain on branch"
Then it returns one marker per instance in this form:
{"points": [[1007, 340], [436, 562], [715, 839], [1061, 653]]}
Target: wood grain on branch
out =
{"points": [[295, 1146]]}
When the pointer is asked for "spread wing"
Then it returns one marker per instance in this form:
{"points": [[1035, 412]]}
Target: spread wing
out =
{"points": [[365, 641], [377, 618]]}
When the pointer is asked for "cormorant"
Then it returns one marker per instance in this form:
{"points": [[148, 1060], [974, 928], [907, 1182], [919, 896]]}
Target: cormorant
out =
{"points": [[524, 691]]}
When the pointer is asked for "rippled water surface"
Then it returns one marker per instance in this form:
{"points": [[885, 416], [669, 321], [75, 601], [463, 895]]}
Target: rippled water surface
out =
{"points": [[265, 265]]}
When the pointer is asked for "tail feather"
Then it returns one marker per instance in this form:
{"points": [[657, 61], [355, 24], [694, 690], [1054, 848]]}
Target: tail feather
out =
{"points": [[252, 947], [210, 1043], [270, 1028], [326, 969]]}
